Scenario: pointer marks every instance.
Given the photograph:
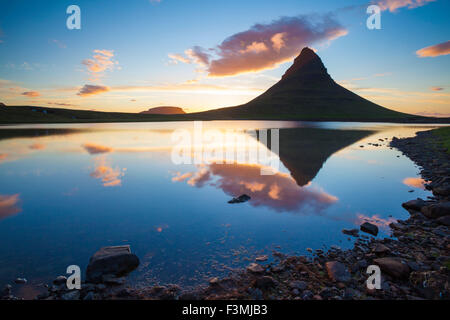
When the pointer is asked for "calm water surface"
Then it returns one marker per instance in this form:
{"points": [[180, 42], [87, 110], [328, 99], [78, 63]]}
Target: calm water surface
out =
{"points": [[67, 190]]}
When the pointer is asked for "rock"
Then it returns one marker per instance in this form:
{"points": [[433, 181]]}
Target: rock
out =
{"points": [[60, 280], [299, 285], [307, 295], [6, 291], [445, 220], [337, 271], [381, 249], [442, 190], [394, 267], [20, 281], [214, 281], [437, 210], [255, 268], [417, 204], [397, 226], [89, 296], [351, 232], [262, 258], [112, 280], [369, 228], [116, 260], [71, 295], [264, 283], [240, 199]]}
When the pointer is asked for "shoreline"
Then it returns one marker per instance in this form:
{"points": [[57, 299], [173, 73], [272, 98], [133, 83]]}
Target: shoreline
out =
{"points": [[416, 265]]}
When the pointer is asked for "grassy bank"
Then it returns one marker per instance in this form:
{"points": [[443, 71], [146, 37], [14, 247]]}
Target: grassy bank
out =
{"points": [[444, 135]]}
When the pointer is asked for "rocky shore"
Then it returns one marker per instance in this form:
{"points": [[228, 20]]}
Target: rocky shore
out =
{"points": [[414, 265]]}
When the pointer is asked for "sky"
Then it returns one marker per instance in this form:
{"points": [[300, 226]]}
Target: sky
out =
{"points": [[202, 54]]}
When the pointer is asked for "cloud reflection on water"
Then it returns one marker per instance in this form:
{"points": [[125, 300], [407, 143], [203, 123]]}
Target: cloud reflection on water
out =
{"points": [[279, 191], [9, 205]]}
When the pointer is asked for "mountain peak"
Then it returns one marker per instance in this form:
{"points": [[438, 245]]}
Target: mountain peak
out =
{"points": [[307, 62]]}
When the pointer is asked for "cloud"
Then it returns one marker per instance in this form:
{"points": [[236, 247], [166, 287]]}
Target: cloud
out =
{"points": [[436, 88], [436, 50], [9, 205], [89, 90], [415, 183], [264, 46], [101, 62], [279, 191], [374, 219], [393, 5], [31, 94], [181, 177], [96, 149], [37, 146], [110, 177]]}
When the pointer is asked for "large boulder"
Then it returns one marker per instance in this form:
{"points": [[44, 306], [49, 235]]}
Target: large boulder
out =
{"points": [[117, 261], [437, 210], [369, 228], [394, 267], [417, 204]]}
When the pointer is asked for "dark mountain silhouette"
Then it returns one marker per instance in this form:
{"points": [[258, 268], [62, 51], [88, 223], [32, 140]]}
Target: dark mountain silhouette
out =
{"points": [[307, 92], [303, 151], [164, 110]]}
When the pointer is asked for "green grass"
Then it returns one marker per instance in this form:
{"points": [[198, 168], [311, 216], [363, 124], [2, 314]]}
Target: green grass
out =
{"points": [[444, 135]]}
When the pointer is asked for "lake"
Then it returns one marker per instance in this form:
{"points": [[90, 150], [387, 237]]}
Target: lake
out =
{"points": [[68, 189]]}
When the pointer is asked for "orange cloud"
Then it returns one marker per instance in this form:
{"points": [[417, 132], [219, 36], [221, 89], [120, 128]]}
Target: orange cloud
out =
{"points": [[436, 50], [89, 90], [31, 94], [101, 61], [181, 177], [37, 146], [393, 5], [96, 149], [415, 182], [265, 46], [437, 88], [278, 191], [9, 205], [110, 176]]}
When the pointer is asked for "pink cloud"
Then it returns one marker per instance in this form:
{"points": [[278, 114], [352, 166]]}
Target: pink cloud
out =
{"points": [[110, 177], [37, 146], [31, 94], [101, 62], [96, 148], [89, 90], [265, 46], [393, 5], [9, 205], [436, 50]]}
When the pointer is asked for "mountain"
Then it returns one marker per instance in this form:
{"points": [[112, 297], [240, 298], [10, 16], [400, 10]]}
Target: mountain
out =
{"points": [[307, 92], [303, 151], [164, 110]]}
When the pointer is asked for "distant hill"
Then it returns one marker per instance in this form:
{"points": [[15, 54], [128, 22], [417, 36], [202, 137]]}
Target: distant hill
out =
{"points": [[307, 92], [164, 110]]}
